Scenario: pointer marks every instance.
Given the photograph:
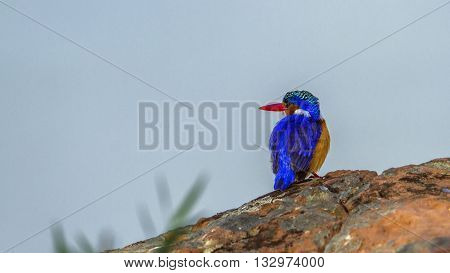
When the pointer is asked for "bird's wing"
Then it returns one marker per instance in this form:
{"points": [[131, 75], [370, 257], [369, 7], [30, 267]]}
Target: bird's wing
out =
{"points": [[292, 143]]}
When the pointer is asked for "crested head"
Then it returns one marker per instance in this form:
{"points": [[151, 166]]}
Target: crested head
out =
{"points": [[302, 102]]}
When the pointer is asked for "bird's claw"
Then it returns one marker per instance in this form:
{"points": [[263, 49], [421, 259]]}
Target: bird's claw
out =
{"points": [[315, 175]]}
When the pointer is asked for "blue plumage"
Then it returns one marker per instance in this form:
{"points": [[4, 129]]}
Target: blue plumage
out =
{"points": [[303, 100], [294, 138], [292, 145]]}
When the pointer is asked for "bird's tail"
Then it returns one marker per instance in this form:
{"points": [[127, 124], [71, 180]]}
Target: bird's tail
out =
{"points": [[284, 178]]}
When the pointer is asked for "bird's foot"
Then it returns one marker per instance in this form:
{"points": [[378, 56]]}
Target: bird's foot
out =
{"points": [[315, 175]]}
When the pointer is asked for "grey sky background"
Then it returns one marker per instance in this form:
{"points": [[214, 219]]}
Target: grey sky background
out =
{"points": [[69, 121]]}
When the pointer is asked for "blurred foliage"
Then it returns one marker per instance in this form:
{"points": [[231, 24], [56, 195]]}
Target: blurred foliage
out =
{"points": [[179, 218], [163, 194], [59, 240], [61, 245], [83, 243], [181, 214]]}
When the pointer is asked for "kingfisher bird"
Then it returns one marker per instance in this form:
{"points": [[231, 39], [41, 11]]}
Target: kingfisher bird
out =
{"points": [[300, 141]]}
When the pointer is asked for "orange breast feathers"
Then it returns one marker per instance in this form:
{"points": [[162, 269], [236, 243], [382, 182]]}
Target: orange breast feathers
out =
{"points": [[321, 151]]}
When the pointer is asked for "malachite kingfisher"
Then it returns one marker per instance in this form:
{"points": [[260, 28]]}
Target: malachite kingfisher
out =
{"points": [[300, 141]]}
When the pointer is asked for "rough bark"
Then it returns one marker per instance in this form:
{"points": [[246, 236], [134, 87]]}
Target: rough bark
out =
{"points": [[404, 209]]}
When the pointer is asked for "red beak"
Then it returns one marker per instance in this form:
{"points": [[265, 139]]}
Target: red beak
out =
{"points": [[276, 107]]}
